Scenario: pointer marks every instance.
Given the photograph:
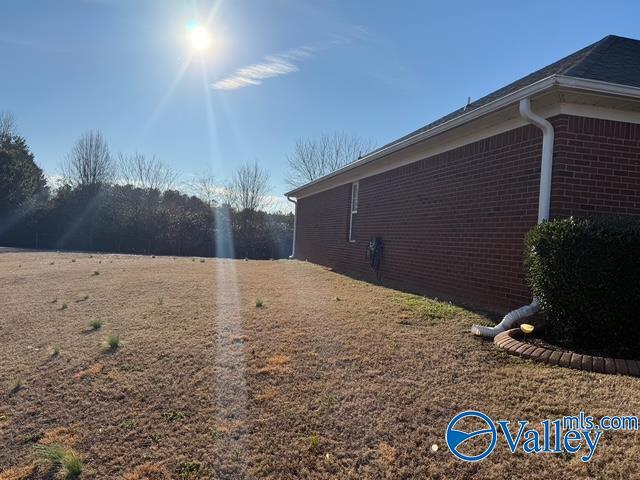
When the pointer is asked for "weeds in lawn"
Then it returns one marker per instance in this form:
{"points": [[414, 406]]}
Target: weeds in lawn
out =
{"points": [[31, 438], [160, 300], [83, 298], [63, 458], [52, 263], [55, 300], [64, 306], [189, 470], [259, 303], [73, 260], [128, 424], [314, 441], [127, 367], [113, 341], [55, 350], [216, 434], [16, 385], [95, 324], [174, 415], [96, 273], [202, 260], [328, 401]]}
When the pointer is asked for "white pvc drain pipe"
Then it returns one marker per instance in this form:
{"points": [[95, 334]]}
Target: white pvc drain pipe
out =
{"points": [[544, 202]]}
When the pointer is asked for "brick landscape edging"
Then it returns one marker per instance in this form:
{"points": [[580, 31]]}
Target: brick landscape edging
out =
{"points": [[509, 342]]}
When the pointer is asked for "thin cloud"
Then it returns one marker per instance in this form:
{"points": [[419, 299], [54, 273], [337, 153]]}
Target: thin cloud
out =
{"points": [[282, 63]]}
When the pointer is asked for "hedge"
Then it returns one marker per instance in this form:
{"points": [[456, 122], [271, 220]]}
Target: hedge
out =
{"points": [[586, 274]]}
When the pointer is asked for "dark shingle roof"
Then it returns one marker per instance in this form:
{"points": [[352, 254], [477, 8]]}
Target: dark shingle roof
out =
{"points": [[613, 59]]}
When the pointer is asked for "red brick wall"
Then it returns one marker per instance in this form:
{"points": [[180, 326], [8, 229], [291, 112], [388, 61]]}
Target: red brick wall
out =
{"points": [[596, 168], [454, 224]]}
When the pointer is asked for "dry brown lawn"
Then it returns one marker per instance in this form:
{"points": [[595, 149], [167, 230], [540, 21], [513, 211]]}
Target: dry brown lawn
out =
{"points": [[330, 378]]}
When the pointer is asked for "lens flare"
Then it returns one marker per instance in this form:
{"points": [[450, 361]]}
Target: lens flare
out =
{"points": [[199, 37]]}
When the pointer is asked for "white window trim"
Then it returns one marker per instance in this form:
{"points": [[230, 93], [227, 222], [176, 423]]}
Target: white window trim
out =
{"points": [[355, 187]]}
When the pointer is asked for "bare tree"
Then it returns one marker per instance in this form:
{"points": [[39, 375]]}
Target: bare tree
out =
{"points": [[7, 125], [313, 158], [89, 162], [205, 188], [147, 173], [249, 188]]}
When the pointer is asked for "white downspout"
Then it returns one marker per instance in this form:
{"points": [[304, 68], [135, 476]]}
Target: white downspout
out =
{"points": [[544, 202], [295, 220]]}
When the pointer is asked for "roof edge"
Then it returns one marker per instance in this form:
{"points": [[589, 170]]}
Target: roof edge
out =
{"points": [[540, 86]]}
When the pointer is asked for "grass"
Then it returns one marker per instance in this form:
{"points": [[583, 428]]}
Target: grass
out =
{"points": [[313, 441], [431, 310], [174, 415], [255, 384], [31, 438], [189, 470], [128, 424], [259, 303], [95, 324], [63, 459], [113, 342], [387, 452], [16, 385]]}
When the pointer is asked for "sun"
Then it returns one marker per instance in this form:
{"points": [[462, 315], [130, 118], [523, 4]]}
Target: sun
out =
{"points": [[199, 38]]}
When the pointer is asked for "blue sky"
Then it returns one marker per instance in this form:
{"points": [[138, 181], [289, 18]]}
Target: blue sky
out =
{"points": [[372, 68]]}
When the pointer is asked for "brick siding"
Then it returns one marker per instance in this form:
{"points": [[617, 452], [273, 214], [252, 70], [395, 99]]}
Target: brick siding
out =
{"points": [[454, 224]]}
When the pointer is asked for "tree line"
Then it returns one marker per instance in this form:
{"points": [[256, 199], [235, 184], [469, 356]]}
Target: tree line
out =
{"points": [[132, 204]]}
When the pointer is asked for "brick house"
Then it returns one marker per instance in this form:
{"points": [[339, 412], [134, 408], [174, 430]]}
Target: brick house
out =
{"points": [[453, 200]]}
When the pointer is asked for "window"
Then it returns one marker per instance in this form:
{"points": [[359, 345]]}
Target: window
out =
{"points": [[354, 211]]}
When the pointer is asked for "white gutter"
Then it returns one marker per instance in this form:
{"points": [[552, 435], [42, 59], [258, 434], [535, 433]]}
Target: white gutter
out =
{"points": [[595, 86], [544, 202], [295, 220]]}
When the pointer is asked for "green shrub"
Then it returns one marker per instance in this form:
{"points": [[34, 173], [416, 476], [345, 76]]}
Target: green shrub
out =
{"points": [[586, 274]]}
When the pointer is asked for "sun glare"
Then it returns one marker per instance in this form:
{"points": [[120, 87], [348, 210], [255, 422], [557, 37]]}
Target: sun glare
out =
{"points": [[200, 38]]}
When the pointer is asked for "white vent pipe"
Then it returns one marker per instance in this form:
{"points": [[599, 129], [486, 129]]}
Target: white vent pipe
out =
{"points": [[544, 202]]}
